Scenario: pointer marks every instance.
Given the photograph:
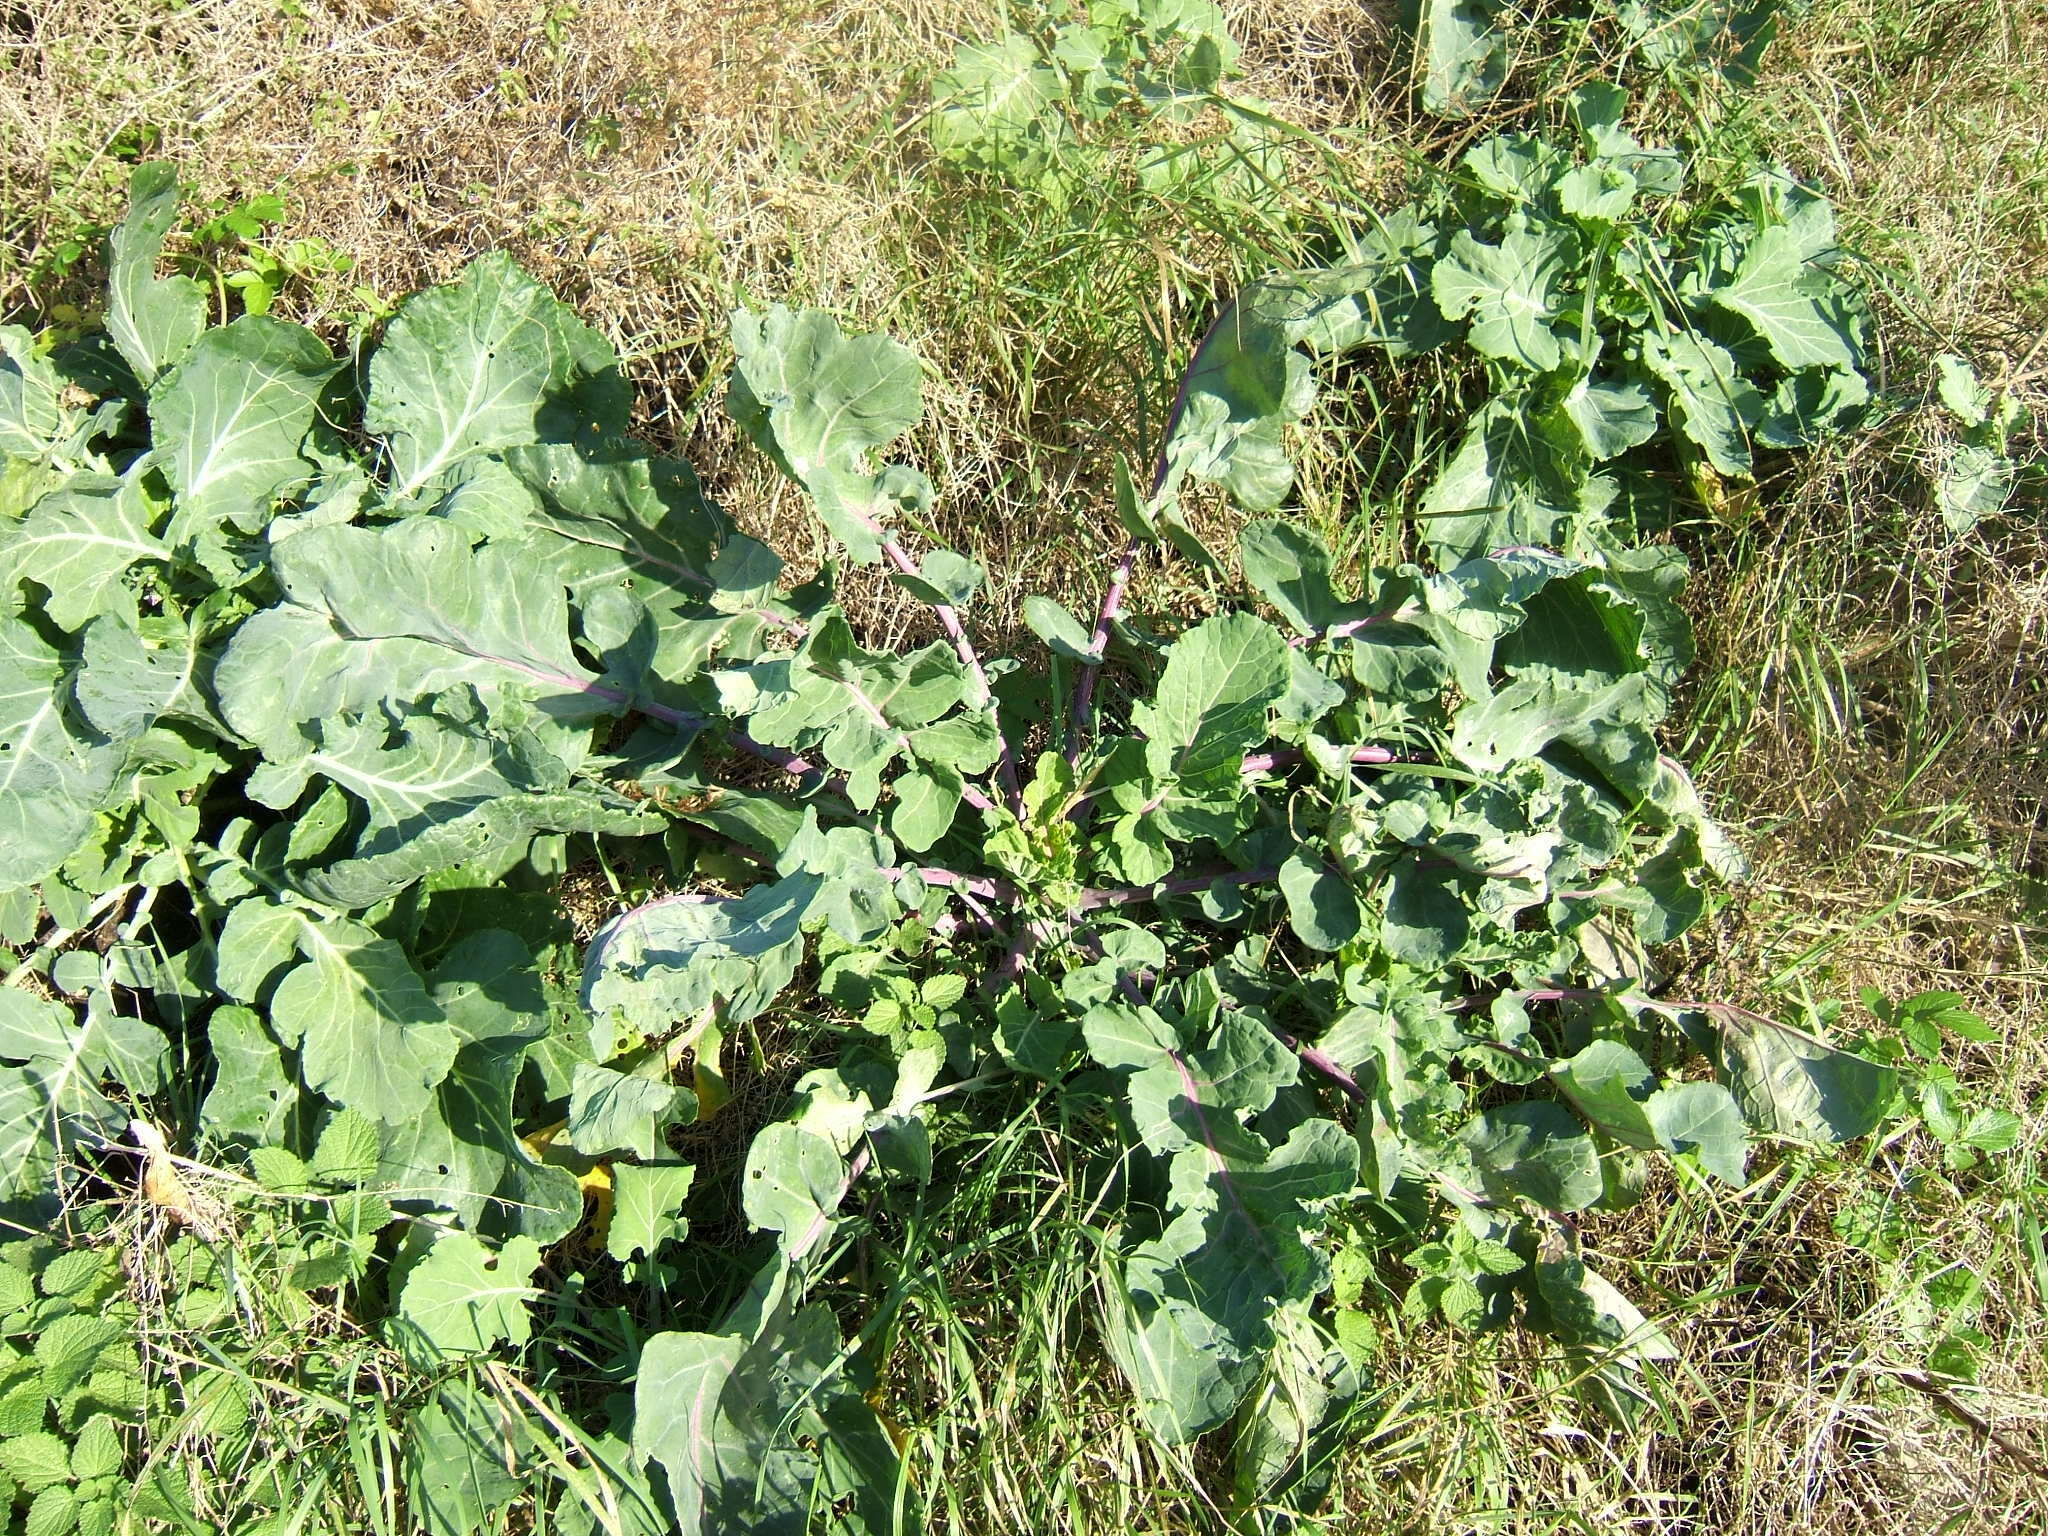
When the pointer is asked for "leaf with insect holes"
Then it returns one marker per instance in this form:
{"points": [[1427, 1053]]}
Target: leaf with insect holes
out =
{"points": [[490, 361], [463, 1299], [645, 1209]]}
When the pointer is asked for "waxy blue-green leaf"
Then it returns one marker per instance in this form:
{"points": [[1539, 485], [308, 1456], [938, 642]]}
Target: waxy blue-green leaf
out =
{"points": [[490, 361], [456, 1449], [463, 1299], [1792, 308], [1712, 400], [646, 1206], [1509, 290], [368, 1034], [1534, 1151], [52, 778], [1462, 54], [34, 420], [230, 417], [132, 676], [1221, 678], [994, 106], [1703, 1119], [1192, 1334], [78, 543], [677, 956], [611, 1112], [614, 515], [395, 614], [1322, 907], [1059, 629], [757, 1427], [464, 1156], [1290, 568], [1248, 383], [821, 404], [255, 1093], [153, 320], [1790, 1083]]}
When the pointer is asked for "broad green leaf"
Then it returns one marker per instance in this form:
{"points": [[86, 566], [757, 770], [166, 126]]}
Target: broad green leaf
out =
{"points": [[255, 1094], [33, 415], [230, 417], [78, 543], [153, 320], [645, 1207], [1509, 291], [52, 779], [463, 1299], [132, 676], [456, 1448], [927, 799], [995, 106], [1608, 1084], [1426, 920], [1702, 1118], [257, 941], [792, 1184], [369, 1036], [1611, 418], [1792, 308], [1247, 384], [756, 1429], [490, 361], [1533, 1151], [463, 1155], [821, 404], [612, 1112], [1059, 629], [398, 613], [1290, 568], [348, 1150], [1221, 678], [1788, 1083], [1712, 401], [1321, 905], [677, 956], [944, 578], [1193, 1331], [614, 516], [1463, 55]]}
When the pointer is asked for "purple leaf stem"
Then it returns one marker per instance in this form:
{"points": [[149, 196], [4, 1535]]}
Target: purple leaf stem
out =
{"points": [[963, 647], [1339, 631], [1125, 895], [1327, 1065], [1120, 578], [1098, 645], [985, 886], [1266, 762]]}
